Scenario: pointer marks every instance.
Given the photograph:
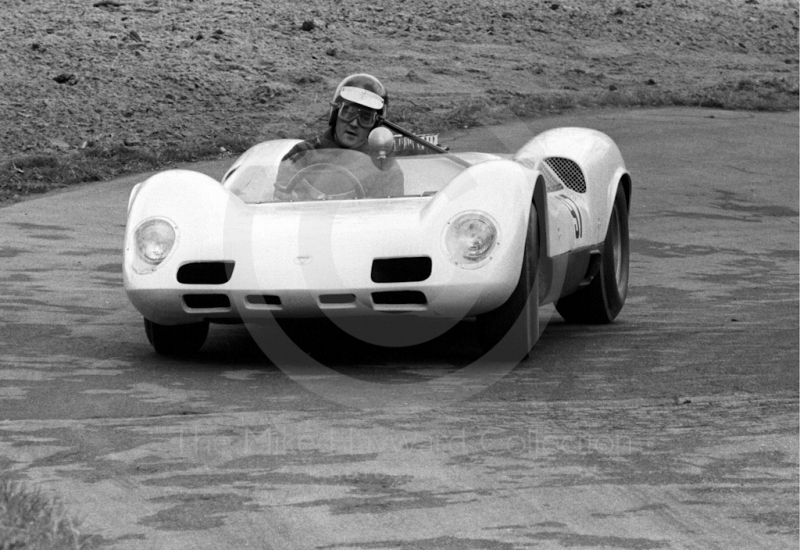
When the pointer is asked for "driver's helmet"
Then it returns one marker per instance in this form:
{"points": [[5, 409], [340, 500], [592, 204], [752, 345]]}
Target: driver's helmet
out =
{"points": [[361, 89]]}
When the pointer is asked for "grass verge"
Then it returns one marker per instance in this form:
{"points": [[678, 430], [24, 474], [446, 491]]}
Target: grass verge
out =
{"points": [[30, 520], [27, 175]]}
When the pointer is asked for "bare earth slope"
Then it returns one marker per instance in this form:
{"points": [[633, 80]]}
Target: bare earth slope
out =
{"points": [[148, 73]]}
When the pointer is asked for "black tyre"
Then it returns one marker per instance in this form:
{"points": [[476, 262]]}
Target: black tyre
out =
{"points": [[510, 331], [177, 339], [601, 300]]}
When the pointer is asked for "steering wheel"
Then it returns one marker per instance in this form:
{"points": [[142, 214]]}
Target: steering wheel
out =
{"points": [[324, 181]]}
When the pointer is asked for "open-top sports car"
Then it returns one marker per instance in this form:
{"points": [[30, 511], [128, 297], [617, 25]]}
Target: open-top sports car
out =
{"points": [[464, 235]]}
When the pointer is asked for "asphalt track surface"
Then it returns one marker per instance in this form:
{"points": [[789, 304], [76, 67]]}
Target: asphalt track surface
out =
{"points": [[675, 427]]}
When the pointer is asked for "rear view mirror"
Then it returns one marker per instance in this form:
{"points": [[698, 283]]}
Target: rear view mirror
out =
{"points": [[381, 141]]}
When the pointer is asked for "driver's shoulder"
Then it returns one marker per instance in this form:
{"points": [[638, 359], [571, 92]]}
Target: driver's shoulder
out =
{"points": [[322, 141], [299, 148]]}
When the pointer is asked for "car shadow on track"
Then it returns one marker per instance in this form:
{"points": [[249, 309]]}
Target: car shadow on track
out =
{"points": [[449, 347], [339, 347]]}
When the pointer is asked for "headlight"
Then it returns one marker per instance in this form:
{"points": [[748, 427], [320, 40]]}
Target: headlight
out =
{"points": [[154, 240], [469, 239]]}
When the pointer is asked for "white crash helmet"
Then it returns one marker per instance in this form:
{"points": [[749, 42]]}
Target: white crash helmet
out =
{"points": [[362, 89]]}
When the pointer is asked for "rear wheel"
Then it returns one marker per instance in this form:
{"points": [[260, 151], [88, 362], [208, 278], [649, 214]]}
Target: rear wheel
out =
{"points": [[177, 339], [601, 300], [510, 331]]}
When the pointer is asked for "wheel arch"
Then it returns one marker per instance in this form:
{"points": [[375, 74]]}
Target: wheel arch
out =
{"points": [[627, 186], [539, 200], [620, 179]]}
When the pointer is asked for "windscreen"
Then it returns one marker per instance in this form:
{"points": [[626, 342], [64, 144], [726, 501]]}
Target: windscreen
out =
{"points": [[341, 174]]}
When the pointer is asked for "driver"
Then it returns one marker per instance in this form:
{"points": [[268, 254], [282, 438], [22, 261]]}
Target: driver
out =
{"points": [[358, 103]]}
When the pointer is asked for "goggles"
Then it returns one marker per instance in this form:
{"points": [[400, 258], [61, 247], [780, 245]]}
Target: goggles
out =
{"points": [[366, 117]]}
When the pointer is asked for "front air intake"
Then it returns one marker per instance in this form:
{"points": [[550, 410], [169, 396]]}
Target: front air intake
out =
{"points": [[263, 299], [207, 301], [205, 273], [401, 270], [399, 298]]}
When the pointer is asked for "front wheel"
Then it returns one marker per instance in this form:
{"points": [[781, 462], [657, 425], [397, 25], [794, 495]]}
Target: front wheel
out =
{"points": [[601, 300], [177, 339], [510, 331]]}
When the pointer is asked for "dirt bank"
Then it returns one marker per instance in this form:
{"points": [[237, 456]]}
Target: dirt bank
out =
{"points": [[149, 73]]}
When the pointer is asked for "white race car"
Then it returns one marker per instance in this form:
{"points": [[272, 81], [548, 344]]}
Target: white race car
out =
{"points": [[471, 235]]}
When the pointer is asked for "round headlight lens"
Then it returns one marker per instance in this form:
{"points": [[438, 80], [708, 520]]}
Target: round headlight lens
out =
{"points": [[154, 240], [470, 238]]}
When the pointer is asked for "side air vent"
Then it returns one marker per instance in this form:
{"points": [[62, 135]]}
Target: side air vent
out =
{"points": [[205, 273], [567, 172], [206, 301], [401, 270]]}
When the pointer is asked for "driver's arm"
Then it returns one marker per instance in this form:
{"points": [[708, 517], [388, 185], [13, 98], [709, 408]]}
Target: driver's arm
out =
{"points": [[294, 152], [292, 162]]}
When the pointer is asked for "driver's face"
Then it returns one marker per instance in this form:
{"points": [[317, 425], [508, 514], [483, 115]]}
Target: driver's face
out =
{"points": [[350, 134]]}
